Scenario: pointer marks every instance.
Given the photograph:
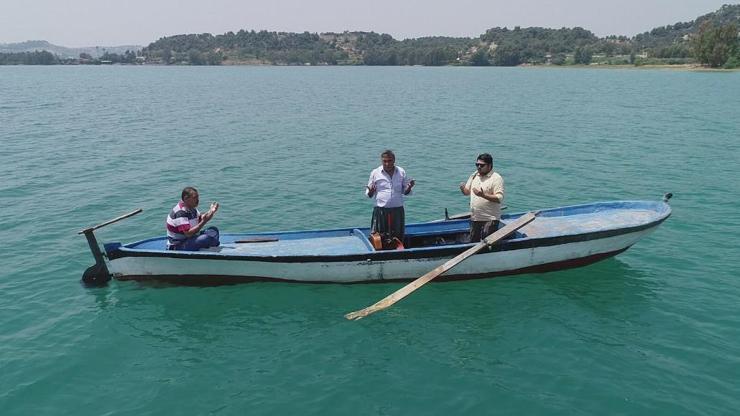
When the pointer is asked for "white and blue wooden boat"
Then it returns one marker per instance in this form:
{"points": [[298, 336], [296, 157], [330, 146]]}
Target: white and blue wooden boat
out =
{"points": [[559, 238]]}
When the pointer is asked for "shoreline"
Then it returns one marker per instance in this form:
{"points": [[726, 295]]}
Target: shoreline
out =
{"points": [[674, 67]]}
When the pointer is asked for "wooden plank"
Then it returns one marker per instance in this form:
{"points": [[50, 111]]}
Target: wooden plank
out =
{"points": [[449, 264], [132, 213]]}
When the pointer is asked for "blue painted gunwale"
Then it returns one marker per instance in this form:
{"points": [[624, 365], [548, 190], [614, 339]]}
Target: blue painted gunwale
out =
{"points": [[661, 212]]}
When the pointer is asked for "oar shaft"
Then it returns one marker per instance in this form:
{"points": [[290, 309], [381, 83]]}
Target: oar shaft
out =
{"points": [[132, 213], [449, 264]]}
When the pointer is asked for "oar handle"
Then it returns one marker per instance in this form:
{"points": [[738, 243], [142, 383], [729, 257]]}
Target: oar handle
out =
{"points": [[130, 214]]}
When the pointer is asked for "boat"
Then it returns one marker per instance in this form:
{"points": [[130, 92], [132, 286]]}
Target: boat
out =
{"points": [[559, 238]]}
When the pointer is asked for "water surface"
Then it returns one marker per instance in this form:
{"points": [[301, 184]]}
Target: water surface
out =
{"points": [[652, 331]]}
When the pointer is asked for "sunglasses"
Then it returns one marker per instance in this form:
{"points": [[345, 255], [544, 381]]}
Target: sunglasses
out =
{"points": [[480, 165]]}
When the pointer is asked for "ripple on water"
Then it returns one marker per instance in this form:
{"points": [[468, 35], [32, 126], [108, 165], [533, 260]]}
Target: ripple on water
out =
{"points": [[652, 331]]}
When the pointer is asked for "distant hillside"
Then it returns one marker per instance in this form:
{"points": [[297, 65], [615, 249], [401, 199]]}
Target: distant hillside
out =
{"points": [[498, 46], [673, 39], [64, 52], [707, 39]]}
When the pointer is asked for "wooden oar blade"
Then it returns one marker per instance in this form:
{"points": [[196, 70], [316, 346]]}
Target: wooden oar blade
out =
{"points": [[397, 295], [357, 315], [409, 288]]}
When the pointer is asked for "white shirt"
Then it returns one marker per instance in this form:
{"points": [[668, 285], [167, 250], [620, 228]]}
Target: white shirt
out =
{"points": [[388, 190]]}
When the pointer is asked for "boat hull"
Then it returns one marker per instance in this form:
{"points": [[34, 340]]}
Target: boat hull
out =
{"points": [[509, 258]]}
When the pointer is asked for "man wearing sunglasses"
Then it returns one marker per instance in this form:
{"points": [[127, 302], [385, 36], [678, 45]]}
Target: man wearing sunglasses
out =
{"points": [[185, 224], [388, 184], [486, 190]]}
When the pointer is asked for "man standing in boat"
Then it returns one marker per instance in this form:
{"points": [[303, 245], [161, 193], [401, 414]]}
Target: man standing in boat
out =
{"points": [[388, 184], [486, 190], [185, 224]]}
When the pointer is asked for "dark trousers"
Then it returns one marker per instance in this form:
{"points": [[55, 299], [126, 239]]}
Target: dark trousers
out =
{"points": [[482, 229], [204, 239], [389, 220]]}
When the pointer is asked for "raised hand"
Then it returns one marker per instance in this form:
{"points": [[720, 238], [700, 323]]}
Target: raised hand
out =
{"points": [[411, 184], [211, 212]]}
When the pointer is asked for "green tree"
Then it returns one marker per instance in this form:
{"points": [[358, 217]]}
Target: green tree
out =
{"points": [[196, 58], [166, 55], [733, 61], [214, 58], [129, 57], [436, 57], [480, 58], [558, 59], [506, 55], [112, 57], [714, 45], [29, 58], [582, 56]]}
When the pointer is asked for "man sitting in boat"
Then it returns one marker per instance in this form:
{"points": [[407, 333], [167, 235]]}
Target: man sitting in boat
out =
{"points": [[388, 184], [486, 190], [185, 224]]}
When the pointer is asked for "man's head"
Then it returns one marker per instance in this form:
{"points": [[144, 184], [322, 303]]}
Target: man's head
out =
{"points": [[190, 197], [484, 163], [389, 160]]}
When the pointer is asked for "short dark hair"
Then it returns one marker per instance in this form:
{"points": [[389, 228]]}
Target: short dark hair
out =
{"points": [[188, 191], [389, 153], [486, 158]]}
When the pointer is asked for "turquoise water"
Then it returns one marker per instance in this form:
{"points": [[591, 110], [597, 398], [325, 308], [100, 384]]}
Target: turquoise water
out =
{"points": [[652, 331]]}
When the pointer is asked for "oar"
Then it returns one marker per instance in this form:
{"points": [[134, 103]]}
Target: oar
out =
{"points": [[124, 216], [406, 290]]}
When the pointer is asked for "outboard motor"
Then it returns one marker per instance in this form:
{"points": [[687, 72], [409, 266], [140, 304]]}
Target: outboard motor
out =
{"points": [[98, 274]]}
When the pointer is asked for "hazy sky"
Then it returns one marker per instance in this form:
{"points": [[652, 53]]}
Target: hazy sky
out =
{"points": [[126, 22]]}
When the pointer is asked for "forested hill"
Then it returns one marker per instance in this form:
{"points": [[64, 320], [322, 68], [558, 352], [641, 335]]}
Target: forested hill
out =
{"points": [[665, 38], [711, 39], [498, 46], [348, 48]]}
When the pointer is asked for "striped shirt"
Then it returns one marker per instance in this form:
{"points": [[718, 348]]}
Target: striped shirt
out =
{"points": [[181, 219]]}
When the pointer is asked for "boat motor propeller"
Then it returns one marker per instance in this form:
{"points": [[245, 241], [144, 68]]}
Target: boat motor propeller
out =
{"points": [[96, 275]]}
